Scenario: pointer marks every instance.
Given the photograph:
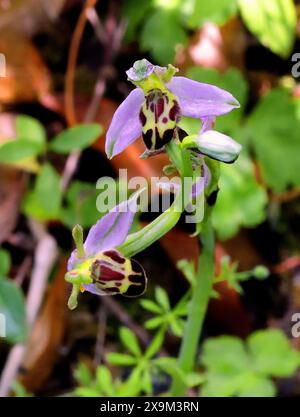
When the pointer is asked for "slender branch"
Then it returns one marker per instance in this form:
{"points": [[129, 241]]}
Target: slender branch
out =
{"points": [[115, 308], [112, 44], [287, 196], [44, 259], [94, 20], [72, 60], [101, 334], [23, 270]]}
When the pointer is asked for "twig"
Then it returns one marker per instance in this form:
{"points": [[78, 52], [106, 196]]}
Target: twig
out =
{"points": [[23, 270], [94, 20], [287, 265], [21, 240], [72, 60], [101, 333], [44, 259], [116, 309], [112, 45], [286, 196]]}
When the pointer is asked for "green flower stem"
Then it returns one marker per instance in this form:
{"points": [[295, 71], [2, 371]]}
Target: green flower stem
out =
{"points": [[198, 306], [177, 156], [136, 242]]}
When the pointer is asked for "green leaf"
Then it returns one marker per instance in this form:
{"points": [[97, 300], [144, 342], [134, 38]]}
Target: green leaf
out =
{"points": [[170, 366], [255, 386], [120, 359], [151, 306], [19, 390], [130, 341], [225, 355], [134, 16], [43, 203], [132, 386], [161, 34], [147, 381], [162, 298], [80, 205], [154, 323], [245, 384], [181, 308], [17, 150], [5, 262], [76, 138], [104, 380], [12, 307], [177, 326], [83, 374], [223, 384], [31, 130], [194, 379], [273, 22], [241, 200], [30, 141], [156, 344], [199, 12], [188, 270], [87, 392], [232, 370], [272, 353], [273, 127]]}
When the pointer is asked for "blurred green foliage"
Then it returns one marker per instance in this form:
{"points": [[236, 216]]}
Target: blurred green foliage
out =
{"points": [[273, 132], [229, 273], [273, 22], [80, 205], [162, 25], [241, 201], [142, 362], [12, 304], [29, 142], [43, 202], [245, 369], [76, 138], [165, 317], [19, 390]]}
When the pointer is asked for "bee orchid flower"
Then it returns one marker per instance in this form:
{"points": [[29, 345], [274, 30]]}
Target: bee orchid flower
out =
{"points": [[97, 266], [153, 109]]}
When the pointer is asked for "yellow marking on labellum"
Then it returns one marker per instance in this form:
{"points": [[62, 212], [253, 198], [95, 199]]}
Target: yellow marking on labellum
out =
{"points": [[114, 274], [159, 117]]}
